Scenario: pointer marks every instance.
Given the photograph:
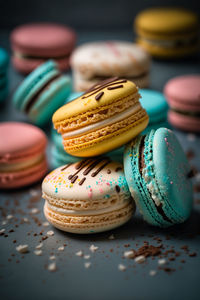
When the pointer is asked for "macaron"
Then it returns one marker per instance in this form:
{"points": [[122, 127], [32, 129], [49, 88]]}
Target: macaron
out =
{"points": [[159, 177], [4, 61], [93, 62], [156, 107], [33, 44], [183, 96], [167, 32], [42, 92], [103, 119], [87, 197], [22, 154]]}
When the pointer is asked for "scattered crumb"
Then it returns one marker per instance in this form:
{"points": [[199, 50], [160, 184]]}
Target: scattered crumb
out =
{"points": [[50, 233], [129, 254], [162, 262], [87, 264], [93, 248], [52, 257], [38, 252], [152, 273], [111, 237], [26, 220], [87, 256], [39, 246], [2, 230], [79, 253], [140, 259], [121, 267], [45, 224], [9, 217], [34, 210], [52, 267], [4, 222], [193, 254], [61, 248], [22, 248], [33, 193], [197, 177]]}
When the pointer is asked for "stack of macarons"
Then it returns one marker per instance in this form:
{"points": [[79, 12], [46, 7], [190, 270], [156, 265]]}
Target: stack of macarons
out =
{"points": [[42, 92], [4, 60], [97, 194], [33, 44]]}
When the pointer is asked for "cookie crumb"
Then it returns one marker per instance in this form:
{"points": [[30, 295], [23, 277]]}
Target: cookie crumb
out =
{"points": [[52, 267], [52, 257], [39, 246], [152, 272], [45, 224], [121, 267], [61, 248], [9, 217], [2, 231], [38, 252], [22, 248], [93, 248], [87, 265], [87, 256], [111, 237], [50, 233], [140, 259], [79, 253], [34, 211], [162, 262], [129, 254]]}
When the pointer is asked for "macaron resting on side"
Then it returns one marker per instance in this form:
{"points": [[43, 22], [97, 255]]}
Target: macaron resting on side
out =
{"points": [[35, 43], [42, 92], [158, 175], [87, 197], [104, 118], [22, 154], [93, 62], [168, 32], [4, 61]]}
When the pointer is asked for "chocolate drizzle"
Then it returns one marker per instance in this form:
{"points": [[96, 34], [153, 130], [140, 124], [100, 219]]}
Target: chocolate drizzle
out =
{"points": [[99, 86], [89, 164], [35, 97], [98, 96], [115, 87], [65, 167]]}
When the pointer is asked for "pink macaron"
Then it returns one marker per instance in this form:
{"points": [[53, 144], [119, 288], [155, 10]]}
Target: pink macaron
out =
{"points": [[183, 96], [22, 154], [32, 44]]}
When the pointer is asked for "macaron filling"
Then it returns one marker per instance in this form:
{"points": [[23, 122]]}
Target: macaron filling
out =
{"points": [[29, 56], [176, 43], [186, 113]]}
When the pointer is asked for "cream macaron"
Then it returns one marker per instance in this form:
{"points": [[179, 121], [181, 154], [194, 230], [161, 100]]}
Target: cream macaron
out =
{"points": [[88, 196]]}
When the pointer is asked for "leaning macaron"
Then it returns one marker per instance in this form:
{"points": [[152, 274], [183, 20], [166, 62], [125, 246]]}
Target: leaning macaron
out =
{"points": [[168, 32], [4, 61], [156, 107], [158, 175], [93, 62], [42, 92], [87, 197], [183, 96], [33, 44], [22, 154], [104, 118]]}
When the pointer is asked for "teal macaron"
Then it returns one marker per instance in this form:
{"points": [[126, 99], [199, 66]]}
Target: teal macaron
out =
{"points": [[4, 62], [156, 106], [42, 92], [159, 177]]}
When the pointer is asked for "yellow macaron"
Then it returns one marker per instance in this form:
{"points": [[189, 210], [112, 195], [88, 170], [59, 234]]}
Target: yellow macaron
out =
{"points": [[168, 32], [104, 118]]}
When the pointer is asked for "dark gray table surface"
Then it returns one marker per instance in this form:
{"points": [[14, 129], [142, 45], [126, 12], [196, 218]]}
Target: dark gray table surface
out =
{"points": [[27, 277]]}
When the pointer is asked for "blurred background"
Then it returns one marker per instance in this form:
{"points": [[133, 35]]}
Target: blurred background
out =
{"points": [[90, 15]]}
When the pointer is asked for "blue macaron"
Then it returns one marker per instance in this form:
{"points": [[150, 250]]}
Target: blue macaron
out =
{"points": [[4, 62], [159, 177], [42, 92], [156, 106]]}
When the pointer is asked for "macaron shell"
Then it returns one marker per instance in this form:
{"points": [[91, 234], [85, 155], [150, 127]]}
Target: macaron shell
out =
{"points": [[184, 122], [25, 65], [94, 224], [171, 172], [20, 141], [23, 177], [43, 39]]}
